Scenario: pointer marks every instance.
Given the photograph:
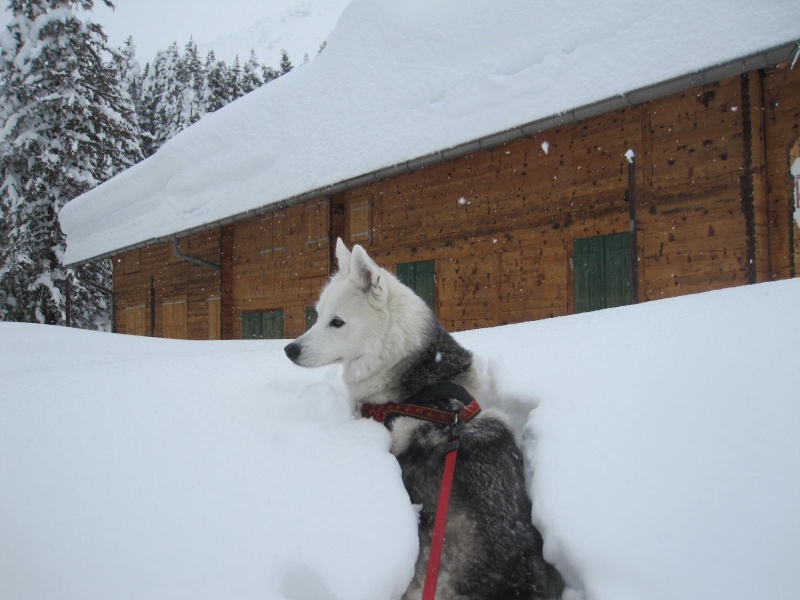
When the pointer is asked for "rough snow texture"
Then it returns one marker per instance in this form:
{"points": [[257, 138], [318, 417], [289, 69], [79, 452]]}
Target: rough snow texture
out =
{"points": [[399, 80], [663, 455]]}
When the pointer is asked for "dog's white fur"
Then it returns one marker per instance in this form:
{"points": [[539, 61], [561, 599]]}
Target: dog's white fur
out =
{"points": [[382, 331]]}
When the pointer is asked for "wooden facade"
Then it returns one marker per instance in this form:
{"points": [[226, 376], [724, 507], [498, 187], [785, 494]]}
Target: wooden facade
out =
{"points": [[713, 197]]}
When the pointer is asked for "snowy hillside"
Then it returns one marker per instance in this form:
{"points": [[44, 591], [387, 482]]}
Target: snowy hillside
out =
{"points": [[229, 28], [663, 454], [298, 27]]}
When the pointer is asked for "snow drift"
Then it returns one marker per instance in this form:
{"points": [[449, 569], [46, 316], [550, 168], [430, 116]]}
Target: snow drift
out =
{"points": [[662, 453]]}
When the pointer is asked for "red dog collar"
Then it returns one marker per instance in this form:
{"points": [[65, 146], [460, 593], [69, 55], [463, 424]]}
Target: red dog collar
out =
{"points": [[379, 412]]}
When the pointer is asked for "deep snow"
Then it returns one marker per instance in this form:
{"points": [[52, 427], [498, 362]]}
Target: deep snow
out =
{"points": [[662, 452], [400, 80]]}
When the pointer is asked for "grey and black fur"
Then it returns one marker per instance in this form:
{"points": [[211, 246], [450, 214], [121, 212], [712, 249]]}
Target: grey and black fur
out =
{"points": [[392, 346], [491, 550]]}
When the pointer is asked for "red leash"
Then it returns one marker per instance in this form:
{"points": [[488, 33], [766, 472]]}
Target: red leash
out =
{"points": [[437, 540], [456, 421]]}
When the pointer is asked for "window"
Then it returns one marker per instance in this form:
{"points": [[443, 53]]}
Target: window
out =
{"points": [[130, 261], [311, 317], [174, 316], [273, 226], [262, 325], [315, 224], [360, 220], [420, 276], [602, 272]]}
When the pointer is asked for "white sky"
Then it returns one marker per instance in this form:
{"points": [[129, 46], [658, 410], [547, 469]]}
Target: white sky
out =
{"points": [[155, 24]]}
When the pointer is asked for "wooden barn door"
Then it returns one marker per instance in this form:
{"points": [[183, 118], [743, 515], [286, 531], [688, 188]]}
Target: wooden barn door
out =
{"points": [[602, 272], [135, 320], [174, 315]]}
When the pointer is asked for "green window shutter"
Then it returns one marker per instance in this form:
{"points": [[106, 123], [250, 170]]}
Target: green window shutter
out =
{"points": [[405, 273], [602, 272], [262, 325], [589, 279], [425, 281], [311, 317], [617, 269], [249, 325], [272, 325], [420, 276]]}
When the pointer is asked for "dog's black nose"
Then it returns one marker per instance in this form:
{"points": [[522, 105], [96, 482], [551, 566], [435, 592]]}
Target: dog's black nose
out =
{"points": [[292, 351]]}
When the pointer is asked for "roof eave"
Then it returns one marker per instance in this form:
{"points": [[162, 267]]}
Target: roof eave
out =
{"points": [[760, 60]]}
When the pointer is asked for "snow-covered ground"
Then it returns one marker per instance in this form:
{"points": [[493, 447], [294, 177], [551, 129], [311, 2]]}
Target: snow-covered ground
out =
{"points": [[662, 446]]}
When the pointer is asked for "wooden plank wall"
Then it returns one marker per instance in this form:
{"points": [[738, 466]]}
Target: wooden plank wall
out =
{"points": [[279, 260], [693, 224], [171, 278], [714, 202], [781, 89], [501, 223]]}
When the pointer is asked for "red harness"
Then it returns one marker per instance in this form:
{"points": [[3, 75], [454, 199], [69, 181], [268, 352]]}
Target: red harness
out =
{"points": [[379, 412], [455, 420]]}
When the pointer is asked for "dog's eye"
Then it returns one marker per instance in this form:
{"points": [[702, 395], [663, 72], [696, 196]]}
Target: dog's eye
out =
{"points": [[336, 322]]}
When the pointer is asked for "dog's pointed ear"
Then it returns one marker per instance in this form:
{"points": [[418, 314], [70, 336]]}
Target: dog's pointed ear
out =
{"points": [[342, 257], [367, 273]]}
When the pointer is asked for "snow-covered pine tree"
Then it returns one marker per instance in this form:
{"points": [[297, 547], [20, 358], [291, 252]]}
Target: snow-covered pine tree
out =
{"points": [[146, 110], [66, 127], [217, 78], [286, 64], [170, 114], [251, 76], [129, 70], [268, 73], [192, 76], [235, 80]]}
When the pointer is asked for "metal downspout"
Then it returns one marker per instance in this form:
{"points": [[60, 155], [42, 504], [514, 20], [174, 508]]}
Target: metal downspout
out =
{"points": [[198, 261]]}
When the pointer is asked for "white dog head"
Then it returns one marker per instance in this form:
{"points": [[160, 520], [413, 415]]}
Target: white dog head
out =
{"points": [[358, 311]]}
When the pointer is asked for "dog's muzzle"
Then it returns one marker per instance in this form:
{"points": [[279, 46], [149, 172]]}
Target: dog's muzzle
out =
{"points": [[293, 351]]}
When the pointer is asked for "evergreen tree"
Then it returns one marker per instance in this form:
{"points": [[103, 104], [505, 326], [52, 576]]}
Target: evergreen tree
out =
{"points": [[129, 71], [235, 80], [268, 73], [193, 80], [171, 115], [146, 111], [251, 76], [286, 64], [217, 79], [66, 127]]}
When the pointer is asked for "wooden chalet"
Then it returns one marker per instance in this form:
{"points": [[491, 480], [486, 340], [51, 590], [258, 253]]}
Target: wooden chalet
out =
{"points": [[682, 188]]}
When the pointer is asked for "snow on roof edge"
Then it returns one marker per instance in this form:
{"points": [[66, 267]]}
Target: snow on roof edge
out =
{"points": [[762, 59]]}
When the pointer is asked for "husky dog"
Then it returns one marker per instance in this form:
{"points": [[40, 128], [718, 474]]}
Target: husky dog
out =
{"points": [[391, 346]]}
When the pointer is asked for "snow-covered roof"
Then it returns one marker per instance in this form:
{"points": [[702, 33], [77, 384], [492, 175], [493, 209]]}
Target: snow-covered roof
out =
{"points": [[403, 80]]}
